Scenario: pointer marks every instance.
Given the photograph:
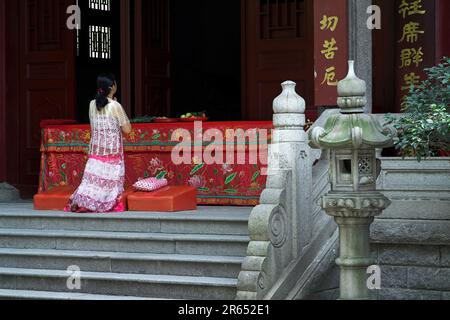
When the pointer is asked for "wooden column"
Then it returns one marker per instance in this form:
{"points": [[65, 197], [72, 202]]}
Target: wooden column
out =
{"points": [[125, 55], [442, 29], [138, 45], [2, 90]]}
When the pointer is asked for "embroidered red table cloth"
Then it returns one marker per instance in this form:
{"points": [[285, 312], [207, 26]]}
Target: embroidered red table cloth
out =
{"points": [[148, 153]]}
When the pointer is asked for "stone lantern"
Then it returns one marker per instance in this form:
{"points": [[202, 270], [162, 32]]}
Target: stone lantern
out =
{"points": [[352, 137]]}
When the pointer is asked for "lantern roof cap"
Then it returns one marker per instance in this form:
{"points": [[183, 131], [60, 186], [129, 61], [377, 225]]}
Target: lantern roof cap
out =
{"points": [[352, 128]]}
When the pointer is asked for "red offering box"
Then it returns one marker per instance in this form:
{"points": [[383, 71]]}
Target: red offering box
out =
{"points": [[168, 199], [57, 198]]}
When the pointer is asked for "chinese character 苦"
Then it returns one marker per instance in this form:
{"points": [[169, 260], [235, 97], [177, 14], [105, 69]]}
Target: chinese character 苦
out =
{"points": [[330, 49]]}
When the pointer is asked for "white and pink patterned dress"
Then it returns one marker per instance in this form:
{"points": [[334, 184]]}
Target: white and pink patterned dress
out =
{"points": [[104, 176]]}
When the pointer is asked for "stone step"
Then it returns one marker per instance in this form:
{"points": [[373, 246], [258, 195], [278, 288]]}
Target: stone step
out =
{"points": [[96, 261], [207, 220], [44, 295], [163, 287], [160, 243]]}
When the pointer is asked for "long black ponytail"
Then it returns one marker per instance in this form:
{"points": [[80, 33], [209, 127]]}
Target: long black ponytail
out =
{"points": [[105, 82]]}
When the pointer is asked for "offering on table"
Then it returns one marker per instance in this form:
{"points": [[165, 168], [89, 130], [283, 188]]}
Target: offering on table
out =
{"points": [[194, 116], [145, 119], [165, 120]]}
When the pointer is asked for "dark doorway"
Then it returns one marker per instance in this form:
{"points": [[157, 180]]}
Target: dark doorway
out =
{"points": [[98, 49], [206, 58]]}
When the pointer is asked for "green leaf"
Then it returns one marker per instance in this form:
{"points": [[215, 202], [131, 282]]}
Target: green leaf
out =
{"points": [[161, 175], [204, 189], [230, 191], [230, 178], [156, 136], [197, 168], [256, 176]]}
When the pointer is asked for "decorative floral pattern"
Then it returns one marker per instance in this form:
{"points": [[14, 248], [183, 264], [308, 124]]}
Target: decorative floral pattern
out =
{"points": [[148, 154]]}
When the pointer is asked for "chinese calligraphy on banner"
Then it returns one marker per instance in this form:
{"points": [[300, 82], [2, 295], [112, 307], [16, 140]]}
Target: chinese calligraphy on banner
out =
{"points": [[331, 48], [415, 35]]}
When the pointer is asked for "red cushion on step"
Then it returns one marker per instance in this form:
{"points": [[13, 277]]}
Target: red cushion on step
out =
{"points": [[168, 199], [57, 198]]}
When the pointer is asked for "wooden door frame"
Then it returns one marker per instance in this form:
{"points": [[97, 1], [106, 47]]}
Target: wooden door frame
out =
{"points": [[138, 65], [12, 92], [244, 106], [3, 90], [125, 55]]}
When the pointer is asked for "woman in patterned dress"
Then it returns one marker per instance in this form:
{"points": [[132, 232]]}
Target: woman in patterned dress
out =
{"points": [[104, 176]]}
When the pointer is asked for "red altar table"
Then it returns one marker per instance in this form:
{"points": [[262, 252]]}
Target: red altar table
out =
{"points": [[148, 151]]}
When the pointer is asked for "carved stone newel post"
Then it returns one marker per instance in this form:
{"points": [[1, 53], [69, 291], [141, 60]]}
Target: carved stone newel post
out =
{"points": [[353, 137]]}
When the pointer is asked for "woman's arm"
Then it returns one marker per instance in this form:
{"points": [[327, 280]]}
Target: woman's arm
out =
{"points": [[124, 121], [127, 128]]}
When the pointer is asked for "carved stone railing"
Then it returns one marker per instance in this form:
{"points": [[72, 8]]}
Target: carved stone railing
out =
{"points": [[287, 229]]}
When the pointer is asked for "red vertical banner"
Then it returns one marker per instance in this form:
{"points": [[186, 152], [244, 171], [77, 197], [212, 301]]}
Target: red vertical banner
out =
{"points": [[416, 34], [330, 48]]}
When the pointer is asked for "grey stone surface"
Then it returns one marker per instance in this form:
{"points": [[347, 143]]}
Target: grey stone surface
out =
{"points": [[44, 295], [403, 207], [405, 174], [394, 277], [332, 294], [207, 220], [195, 265], [172, 287], [429, 278], [408, 255], [420, 232], [193, 255], [406, 294], [8, 193], [445, 295], [360, 43], [445, 256]]}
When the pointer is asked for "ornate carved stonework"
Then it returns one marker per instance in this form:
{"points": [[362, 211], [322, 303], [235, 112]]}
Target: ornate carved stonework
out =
{"points": [[357, 205]]}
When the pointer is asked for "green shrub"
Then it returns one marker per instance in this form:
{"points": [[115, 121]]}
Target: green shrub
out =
{"points": [[424, 129]]}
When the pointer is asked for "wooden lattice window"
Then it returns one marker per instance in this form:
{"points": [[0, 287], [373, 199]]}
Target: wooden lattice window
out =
{"points": [[103, 5], [280, 19], [99, 42]]}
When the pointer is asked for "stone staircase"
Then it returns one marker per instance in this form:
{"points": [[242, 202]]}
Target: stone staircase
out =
{"points": [[192, 255]]}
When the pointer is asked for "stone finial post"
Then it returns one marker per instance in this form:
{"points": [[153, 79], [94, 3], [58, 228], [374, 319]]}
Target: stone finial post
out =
{"points": [[279, 227], [353, 137], [290, 151]]}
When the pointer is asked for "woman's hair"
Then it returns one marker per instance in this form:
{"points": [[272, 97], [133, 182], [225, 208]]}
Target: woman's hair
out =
{"points": [[105, 82]]}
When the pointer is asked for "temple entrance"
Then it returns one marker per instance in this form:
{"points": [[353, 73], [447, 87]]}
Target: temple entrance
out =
{"points": [[206, 58], [226, 58], [188, 58], [98, 50]]}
